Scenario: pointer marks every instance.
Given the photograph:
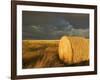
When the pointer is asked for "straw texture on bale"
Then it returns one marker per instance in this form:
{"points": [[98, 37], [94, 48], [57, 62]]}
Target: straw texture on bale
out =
{"points": [[65, 50], [73, 49]]}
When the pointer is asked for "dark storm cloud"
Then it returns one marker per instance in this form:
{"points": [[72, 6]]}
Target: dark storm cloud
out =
{"points": [[46, 25]]}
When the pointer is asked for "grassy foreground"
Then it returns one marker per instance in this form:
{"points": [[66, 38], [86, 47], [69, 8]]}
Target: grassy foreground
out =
{"points": [[42, 53]]}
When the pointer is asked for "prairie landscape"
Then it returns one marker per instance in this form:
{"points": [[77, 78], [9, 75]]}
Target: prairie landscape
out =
{"points": [[44, 53], [44, 44]]}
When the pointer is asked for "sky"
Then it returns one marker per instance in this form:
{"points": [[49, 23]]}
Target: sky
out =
{"points": [[52, 25]]}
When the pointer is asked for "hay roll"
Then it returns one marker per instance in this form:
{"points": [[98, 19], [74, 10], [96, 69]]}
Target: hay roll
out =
{"points": [[73, 50], [65, 50]]}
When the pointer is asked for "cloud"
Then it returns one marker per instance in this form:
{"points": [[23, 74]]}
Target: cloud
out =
{"points": [[79, 32], [53, 32], [71, 31], [47, 31]]}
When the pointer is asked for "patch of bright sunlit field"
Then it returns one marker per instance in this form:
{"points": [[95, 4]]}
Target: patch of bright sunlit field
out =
{"points": [[42, 53]]}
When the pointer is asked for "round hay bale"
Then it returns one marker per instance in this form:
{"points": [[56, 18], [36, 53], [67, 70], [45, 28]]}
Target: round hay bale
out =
{"points": [[65, 50], [73, 50]]}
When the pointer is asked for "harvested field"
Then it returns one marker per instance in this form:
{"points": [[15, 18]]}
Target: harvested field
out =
{"points": [[45, 53]]}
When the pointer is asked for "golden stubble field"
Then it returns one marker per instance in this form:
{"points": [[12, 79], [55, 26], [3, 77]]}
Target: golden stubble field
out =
{"points": [[45, 53]]}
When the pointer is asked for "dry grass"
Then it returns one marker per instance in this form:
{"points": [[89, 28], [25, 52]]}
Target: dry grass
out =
{"points": [[73, 49], [65, 50], [40, 53], [80, 48], [43, 53]]}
